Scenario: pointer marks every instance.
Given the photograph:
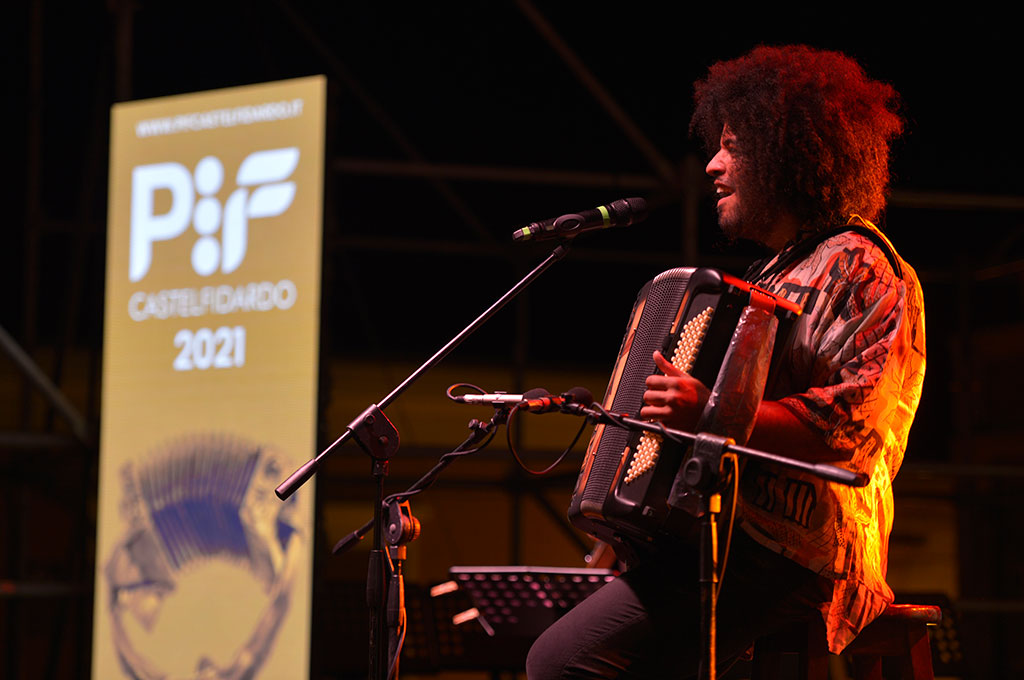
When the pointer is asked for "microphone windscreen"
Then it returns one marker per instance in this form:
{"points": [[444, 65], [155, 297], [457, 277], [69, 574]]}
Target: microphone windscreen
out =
{"points": [[536, 393], [626, 211], [580, 395]]}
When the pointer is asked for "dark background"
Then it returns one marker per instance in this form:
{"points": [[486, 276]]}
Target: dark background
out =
{"points": [[449, 126]]}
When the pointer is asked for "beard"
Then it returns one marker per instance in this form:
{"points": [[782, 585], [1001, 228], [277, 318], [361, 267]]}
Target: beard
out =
{"points": [[748, 214]]}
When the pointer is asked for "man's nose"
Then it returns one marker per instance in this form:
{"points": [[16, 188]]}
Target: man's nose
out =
{"points": [[716, 166]]}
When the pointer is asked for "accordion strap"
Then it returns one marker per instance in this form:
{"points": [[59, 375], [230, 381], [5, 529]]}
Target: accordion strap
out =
{"points": [[801, 249]]}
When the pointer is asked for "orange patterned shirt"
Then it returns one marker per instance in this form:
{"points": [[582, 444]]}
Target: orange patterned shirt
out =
{"points": [[853, 370]]}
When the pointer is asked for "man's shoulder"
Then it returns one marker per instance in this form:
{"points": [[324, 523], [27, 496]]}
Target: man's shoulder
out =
{"points": [[866, 272], [853, 267], [865, 253]]}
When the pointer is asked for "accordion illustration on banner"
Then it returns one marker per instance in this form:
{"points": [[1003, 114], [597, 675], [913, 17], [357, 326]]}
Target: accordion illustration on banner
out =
{"points": [[203, 498], [691, 316]]}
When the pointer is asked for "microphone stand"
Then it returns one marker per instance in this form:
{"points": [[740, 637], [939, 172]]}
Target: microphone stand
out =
{"points": [[480, 430], [698, 466], [700, 473], [379, 439], [403, 527], [309, 468]]}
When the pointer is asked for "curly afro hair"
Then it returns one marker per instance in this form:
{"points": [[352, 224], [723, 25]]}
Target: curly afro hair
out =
{"points": [[813, 130]]}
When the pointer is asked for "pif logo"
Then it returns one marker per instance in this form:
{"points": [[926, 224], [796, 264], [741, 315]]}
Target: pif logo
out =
{"points": [[261, 192]]}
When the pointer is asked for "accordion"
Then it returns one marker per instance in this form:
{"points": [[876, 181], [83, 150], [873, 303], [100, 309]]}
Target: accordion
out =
{"points": [[199, 499], [690, 315]]}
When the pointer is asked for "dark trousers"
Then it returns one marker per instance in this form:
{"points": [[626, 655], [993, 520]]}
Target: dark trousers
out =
{"points": [[646, 624]]}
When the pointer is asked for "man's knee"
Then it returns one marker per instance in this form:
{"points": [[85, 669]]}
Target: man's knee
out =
{"points": [[547, 658]]}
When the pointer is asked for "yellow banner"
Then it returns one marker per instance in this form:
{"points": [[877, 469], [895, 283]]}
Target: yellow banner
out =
{"points": [[209, 384]]}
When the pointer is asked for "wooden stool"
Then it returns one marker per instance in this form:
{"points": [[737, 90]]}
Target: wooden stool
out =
{"points": [[899, 632]]}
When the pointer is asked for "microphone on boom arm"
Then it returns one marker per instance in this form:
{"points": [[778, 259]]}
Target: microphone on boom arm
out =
{"points": [[620, 213]]}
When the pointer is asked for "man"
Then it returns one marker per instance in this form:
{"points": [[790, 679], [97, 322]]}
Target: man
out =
{"points": [[800, 142]]}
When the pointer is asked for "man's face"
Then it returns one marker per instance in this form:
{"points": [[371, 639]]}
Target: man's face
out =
{"points": [[724, 169], [743, 212]]}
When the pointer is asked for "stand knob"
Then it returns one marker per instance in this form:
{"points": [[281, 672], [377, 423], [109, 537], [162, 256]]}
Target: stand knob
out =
{"points": [[402, 526]]}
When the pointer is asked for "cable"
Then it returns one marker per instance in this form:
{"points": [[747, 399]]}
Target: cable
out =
{"points": [[734, 461], [656, 426], [393, 666], [515, 453], [448, 391], [426, 480]]}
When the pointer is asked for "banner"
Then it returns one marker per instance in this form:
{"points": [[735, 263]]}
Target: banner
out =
{"points": [[209, 384]]}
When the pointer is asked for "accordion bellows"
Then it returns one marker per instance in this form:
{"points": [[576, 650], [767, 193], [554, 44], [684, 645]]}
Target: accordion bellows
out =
{"points": [[203, 498], [200, 498]]}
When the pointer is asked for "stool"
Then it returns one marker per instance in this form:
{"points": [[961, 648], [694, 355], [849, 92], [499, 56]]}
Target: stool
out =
{"points": [[899, 632]]}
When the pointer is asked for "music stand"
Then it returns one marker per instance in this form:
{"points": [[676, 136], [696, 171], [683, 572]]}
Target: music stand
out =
{"points": [[522, 601]]}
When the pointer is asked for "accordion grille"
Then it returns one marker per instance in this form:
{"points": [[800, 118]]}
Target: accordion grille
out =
{"points": [[662, 302]]}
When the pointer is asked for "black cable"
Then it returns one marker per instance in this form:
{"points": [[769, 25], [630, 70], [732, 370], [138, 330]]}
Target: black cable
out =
{"points": [[656, 426], [393, 666], [424, 482], [515, 453]]}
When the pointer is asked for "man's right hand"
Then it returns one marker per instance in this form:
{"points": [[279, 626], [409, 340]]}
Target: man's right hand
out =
{"points": [[675, 398]]}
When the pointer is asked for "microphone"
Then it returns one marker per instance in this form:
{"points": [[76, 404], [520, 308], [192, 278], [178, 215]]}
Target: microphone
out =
{"points": [[620, 213], [551, 402], [499, 398]]}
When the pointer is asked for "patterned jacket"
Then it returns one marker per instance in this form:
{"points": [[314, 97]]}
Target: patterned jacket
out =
{"points": [[853, 370]]}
